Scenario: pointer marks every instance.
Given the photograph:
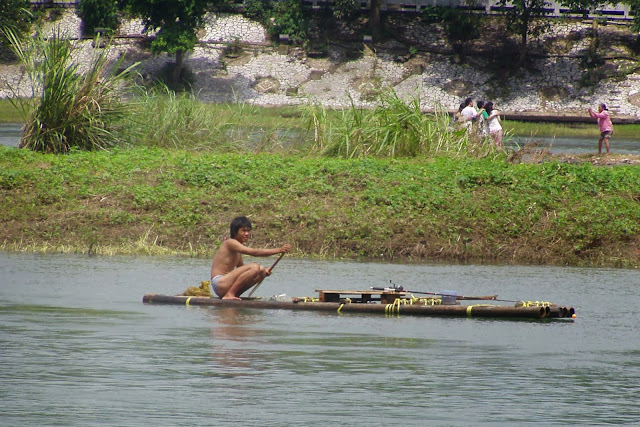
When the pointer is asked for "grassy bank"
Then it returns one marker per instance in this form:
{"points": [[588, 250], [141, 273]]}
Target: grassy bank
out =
{"points": [[152, 201]]}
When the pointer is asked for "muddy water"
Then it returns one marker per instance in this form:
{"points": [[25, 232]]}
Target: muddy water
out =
{"points": [[78, 347]]}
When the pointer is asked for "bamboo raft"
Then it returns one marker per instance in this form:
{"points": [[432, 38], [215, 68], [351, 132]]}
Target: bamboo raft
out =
{"points": [[382, 301]]}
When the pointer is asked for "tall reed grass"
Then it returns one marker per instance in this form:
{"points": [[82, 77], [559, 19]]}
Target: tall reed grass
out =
{"points": [[68, 108], [395, 128], [166, 119]]}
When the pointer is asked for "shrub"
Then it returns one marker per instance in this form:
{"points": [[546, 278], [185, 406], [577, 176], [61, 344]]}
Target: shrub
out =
{"points": [[68, 108], [98, 14], [290, 19], [258, 10], [345, 9], [16, 17]]}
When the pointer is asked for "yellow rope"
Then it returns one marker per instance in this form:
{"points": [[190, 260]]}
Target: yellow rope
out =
{"points": [[412, 300], [477, 305], [534, 304], [346, 301]]}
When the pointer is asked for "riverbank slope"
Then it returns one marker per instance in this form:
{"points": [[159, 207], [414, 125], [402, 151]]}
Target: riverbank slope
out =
{"points": [[153, 201], [235, 61]]}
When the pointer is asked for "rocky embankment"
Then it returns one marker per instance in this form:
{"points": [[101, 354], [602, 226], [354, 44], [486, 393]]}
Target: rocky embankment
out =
{"points": [[235, 61]]}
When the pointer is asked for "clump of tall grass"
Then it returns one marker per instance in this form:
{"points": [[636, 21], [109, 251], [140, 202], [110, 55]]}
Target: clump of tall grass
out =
{"points": [[395, 128], [164, 118], [168, 119], [68, 108]]}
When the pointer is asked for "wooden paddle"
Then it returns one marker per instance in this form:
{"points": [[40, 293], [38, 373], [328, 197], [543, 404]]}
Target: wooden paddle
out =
{"points": [[270, 270]]}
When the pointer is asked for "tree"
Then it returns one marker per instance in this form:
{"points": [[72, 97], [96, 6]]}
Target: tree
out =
{"points": [[375, 24], [635, 8], [15, 17], [98, 14], [525, 18], [586, 7], [176, 21]]}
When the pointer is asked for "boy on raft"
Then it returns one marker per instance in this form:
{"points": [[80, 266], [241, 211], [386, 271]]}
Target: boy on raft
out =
{"points": [[230, 277]]}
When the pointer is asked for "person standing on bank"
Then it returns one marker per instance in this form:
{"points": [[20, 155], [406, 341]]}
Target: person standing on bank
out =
{"points": [[230, 277], [493, 121], [605, 125], [468, 113]]}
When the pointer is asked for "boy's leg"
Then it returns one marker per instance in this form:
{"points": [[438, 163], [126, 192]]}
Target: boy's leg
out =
{"points": [[600, 145], [606, 143], [239, 280]]}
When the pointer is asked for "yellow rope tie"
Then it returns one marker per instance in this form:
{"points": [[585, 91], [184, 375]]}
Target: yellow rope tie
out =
{"points": [[346, 301], [430, 301], [395, 306], [187, 301], [310, 299], [477, 305], [536, 304]]}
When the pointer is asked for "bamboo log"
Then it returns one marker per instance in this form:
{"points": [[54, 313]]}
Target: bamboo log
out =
{"points": [[485, 311]]}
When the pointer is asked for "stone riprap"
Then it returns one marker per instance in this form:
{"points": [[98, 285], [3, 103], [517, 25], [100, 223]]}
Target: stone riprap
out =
{"points": [[261, 74]]}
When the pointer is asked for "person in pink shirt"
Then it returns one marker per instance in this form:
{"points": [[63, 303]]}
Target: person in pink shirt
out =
{"points": [[604, 122]]}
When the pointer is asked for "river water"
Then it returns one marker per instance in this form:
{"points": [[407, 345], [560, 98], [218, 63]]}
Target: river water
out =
{"points": [[78, 347], [10, 135]]}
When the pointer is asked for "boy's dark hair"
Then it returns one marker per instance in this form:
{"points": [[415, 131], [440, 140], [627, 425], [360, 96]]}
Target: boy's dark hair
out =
{"points": [[467, 101], [480, 104], [238, 223]]}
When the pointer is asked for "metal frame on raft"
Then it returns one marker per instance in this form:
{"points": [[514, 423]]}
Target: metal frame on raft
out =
{"points": [[386, 302]]}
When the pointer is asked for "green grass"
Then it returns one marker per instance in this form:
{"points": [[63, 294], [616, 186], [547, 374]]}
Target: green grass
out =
{"points": [[151, 200], [9, 113], [278, 120]]}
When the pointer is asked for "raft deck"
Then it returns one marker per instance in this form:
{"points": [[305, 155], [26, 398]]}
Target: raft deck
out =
{"points": [[371, 301]]}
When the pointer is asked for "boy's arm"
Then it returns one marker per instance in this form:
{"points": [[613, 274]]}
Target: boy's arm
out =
{"points": [[246, 250]]}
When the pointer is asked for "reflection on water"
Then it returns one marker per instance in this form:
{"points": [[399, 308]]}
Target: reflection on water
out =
{"points": [[578, 145], [78, 347], [10, 134]]}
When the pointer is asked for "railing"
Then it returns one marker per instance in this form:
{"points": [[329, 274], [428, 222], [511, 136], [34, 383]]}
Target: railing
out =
{"points": [[489, 7]]}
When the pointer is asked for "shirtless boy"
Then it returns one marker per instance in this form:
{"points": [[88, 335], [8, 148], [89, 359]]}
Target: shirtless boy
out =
{"points": [[229, 276]]}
